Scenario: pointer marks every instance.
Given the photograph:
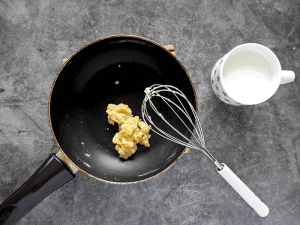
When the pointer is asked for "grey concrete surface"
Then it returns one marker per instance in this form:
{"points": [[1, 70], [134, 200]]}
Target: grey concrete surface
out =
{"points": [[260, 143]]}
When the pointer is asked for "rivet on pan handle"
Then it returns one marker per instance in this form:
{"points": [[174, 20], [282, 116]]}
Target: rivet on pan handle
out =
{"points": [[168, 47]]}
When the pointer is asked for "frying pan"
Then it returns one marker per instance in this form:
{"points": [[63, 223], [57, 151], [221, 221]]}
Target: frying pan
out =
{"points": [[82, 89]]}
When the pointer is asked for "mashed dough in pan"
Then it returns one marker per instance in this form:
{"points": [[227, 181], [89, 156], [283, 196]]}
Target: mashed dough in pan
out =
{"points": [[131, 130]]}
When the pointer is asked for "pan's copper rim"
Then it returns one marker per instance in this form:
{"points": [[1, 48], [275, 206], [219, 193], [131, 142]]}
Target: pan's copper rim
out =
{"points": [[49, 103]]}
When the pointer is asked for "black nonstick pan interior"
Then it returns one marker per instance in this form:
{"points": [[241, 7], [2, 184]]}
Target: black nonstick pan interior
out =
{"points": [[87, 84], [111, 70]]}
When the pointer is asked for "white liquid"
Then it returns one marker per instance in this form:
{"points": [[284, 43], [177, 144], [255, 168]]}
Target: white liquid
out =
{"points": [[247, 78]]}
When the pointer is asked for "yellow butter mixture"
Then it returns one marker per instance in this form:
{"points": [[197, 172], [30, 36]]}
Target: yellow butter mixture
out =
{"points": [[132, 131]]}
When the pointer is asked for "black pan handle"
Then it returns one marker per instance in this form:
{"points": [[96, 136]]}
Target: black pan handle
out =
{"points": [[49, 177]]}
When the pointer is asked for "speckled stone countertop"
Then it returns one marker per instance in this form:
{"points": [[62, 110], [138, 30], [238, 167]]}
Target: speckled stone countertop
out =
{"points": [[260, 143]]}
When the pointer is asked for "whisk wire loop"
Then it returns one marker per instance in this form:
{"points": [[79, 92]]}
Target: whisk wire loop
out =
{"points": [[159, 131], [161, 91], [199, 137]]}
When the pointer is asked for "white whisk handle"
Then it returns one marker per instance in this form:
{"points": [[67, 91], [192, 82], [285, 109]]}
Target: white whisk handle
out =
{"points": [[259, 207]]}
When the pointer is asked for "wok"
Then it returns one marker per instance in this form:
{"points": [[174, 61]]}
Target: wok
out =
{"points": [[82, 89]]}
